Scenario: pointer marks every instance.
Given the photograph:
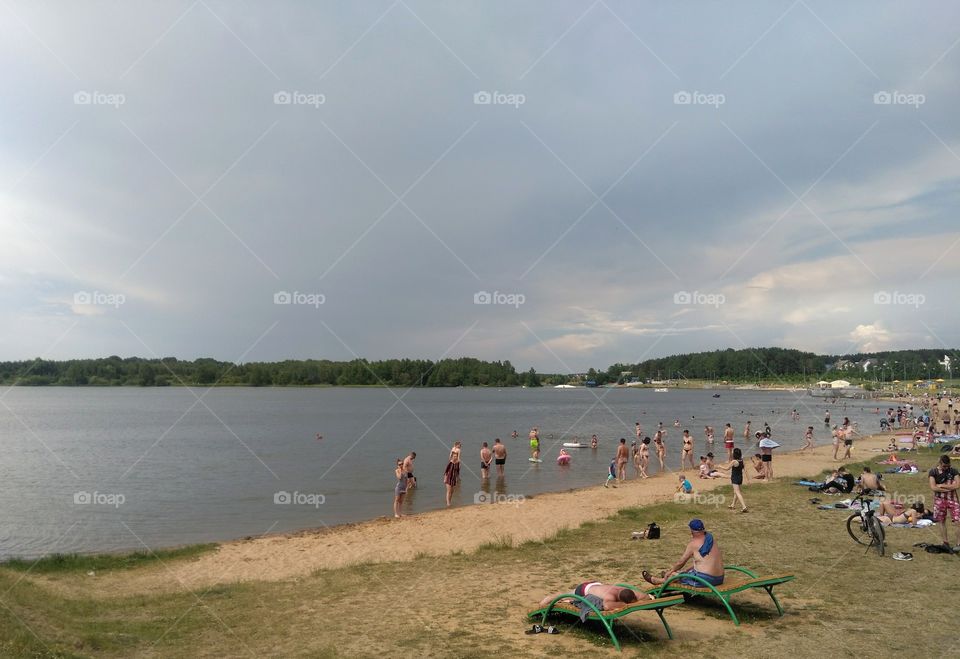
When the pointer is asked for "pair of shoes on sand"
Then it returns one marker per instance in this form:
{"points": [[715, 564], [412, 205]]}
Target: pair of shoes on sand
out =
{"points": [[537, 629]]}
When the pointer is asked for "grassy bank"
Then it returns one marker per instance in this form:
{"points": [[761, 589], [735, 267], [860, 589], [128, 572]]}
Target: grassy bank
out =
{"points": [[844, 602]]}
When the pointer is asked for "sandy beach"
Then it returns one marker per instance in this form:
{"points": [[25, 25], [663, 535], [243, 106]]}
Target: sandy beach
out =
{"points": [[435, 533]]}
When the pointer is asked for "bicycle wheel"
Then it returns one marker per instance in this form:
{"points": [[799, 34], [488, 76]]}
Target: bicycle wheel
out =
{"points": [[858, 530], [879, 535]]}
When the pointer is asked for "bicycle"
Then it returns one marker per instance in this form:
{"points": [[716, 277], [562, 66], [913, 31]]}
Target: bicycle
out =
{"points": [[864, 527]]}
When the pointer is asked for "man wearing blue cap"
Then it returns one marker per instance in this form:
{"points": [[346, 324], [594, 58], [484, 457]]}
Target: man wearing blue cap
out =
{"points": [[706, 555]]}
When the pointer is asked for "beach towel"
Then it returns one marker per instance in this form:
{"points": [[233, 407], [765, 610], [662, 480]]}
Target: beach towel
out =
{"points": [[707, 544], [586, 610], [807, 483]]}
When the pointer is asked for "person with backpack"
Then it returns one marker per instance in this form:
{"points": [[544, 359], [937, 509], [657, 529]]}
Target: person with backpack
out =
{"points": [[944, 481]]}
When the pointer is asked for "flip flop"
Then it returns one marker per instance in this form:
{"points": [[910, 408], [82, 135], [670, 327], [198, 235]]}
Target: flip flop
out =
{"points": [[646, 576], [536, 629], [552, 630], [903, 556]]}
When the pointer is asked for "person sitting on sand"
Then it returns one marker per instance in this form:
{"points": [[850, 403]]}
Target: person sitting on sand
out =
{"points": [[705, 470], [759, 473], [685, 488], [706, 555], [614, 597]]}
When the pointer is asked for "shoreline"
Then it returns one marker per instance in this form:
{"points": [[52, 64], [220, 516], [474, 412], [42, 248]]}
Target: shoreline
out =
{"points": [[285, 556]]}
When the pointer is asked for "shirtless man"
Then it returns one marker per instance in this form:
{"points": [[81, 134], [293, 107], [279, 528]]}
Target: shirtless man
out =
{"points": [[870, 481], [706, 555], [408, 468], [638, 430], [623, 456], [728, 441], [499, 455], [614, 597], [686, 454], [486, 457], [746, 433]]}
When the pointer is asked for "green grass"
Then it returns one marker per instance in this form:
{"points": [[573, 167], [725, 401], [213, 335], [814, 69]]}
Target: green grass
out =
{"points": [[473, 604], [65, 563]]}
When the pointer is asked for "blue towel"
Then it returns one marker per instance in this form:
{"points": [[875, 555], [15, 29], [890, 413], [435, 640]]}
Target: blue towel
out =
{"points": [[707, 544], [806, 483]]}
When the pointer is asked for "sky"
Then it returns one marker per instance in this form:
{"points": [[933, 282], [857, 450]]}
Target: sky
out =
{"points": [[562, 184]]}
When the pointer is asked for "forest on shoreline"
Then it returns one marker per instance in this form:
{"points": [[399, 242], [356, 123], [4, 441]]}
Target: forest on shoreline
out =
{"points": [[751, 365]]}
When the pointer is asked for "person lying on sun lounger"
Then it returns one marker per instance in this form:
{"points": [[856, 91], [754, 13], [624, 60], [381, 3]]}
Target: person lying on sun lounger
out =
{"points": [[706, 555], [614, 597]]}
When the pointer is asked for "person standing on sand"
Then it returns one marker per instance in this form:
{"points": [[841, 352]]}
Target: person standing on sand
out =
{"points": [[847, 433], [408, 468], [944, 481], [735, 467], [686, 453], [728, 441], [486, 457], [623, 455], [451, 475], [836, 442], [400, 489], [499, 456]]}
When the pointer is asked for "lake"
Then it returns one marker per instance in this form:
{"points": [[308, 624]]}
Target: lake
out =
{"points": [[102, 469]]}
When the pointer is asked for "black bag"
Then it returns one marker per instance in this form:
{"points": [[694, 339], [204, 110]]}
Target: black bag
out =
{"points": [[653, 531]]}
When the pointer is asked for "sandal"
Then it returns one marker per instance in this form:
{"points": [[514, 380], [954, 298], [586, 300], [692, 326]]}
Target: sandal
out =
{"points": [[552, 630], [744, 510], [536, 629], [903, 556], [646, 576]]}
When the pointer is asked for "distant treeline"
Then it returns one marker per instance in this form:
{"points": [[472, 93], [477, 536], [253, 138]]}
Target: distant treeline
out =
{"points": [[108, 371], [748, 365], [753, 364]]}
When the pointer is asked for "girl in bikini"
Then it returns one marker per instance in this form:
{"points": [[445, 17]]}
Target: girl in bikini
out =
{"points": [[661, 449], [644, 456], [451, 475]]}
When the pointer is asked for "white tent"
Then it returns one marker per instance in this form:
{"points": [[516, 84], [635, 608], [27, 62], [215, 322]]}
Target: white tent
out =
{"points": [[839, 384]]}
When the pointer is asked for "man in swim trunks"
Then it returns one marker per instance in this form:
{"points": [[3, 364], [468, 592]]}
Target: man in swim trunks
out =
{"points": [[944, 481], [728, 441], [499, 455], [623, 456], [614, 597], [408, 468], [706, 555], [486, 456]]}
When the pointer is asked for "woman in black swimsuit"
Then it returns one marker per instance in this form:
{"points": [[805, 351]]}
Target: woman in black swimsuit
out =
{"points": [[735, 466]]}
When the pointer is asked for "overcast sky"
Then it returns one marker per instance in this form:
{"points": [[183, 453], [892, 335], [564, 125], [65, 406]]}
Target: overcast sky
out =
{"points": [[646, 178]]}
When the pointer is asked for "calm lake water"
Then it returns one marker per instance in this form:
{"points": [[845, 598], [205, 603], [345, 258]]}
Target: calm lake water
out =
{"points": [[90, 469]]}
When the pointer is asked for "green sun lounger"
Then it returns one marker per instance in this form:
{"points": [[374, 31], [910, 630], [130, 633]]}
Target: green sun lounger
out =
{"points": [[608, 617], [724, 591]]}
